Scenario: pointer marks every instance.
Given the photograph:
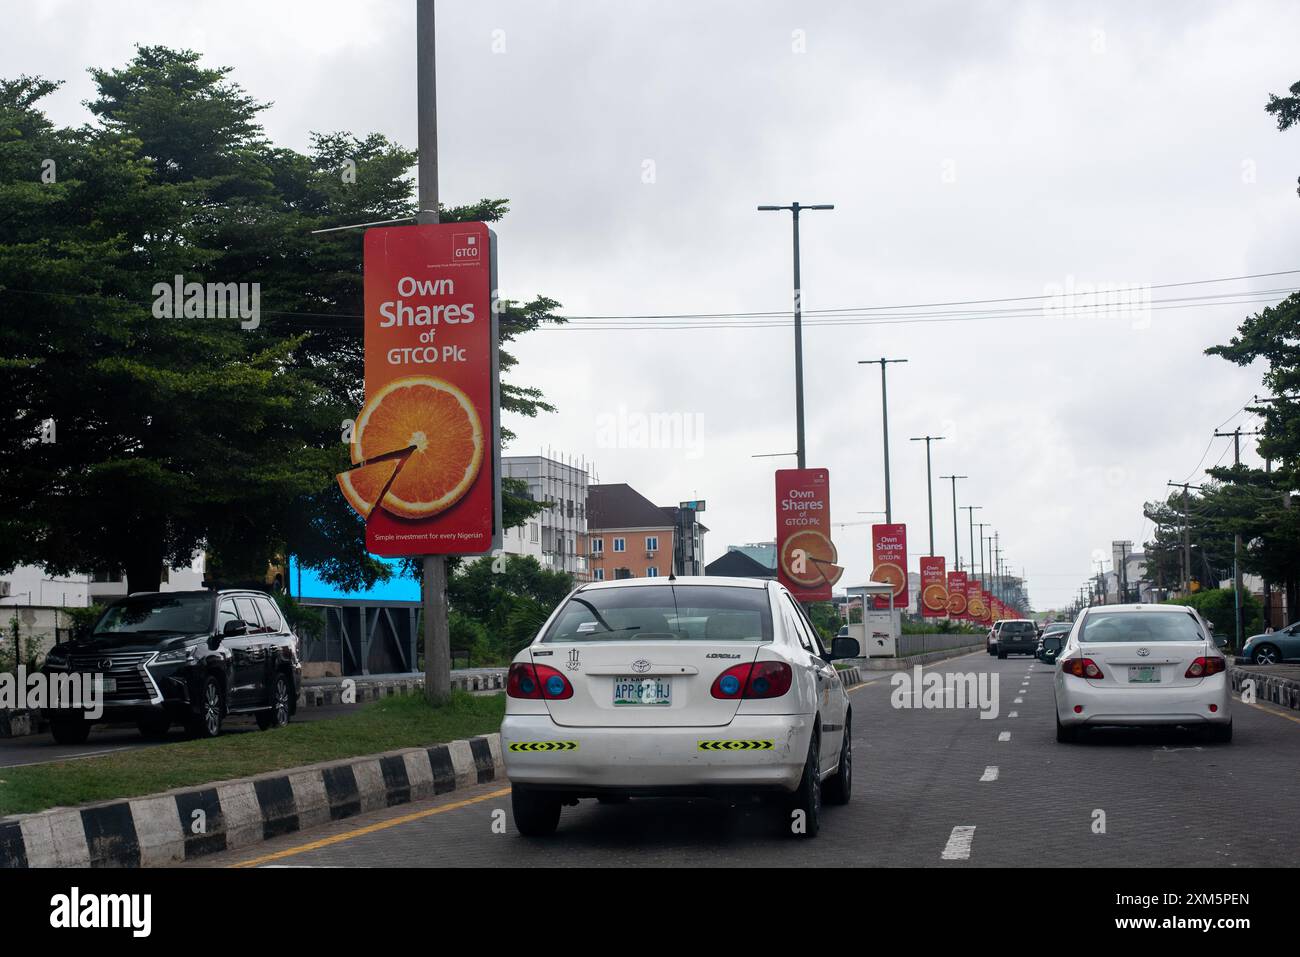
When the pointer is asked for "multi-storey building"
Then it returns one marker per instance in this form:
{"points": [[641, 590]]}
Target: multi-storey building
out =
{"points": [[628, 536], [555, 535]]}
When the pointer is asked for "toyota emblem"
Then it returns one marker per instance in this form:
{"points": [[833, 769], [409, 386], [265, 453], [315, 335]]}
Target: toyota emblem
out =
{"points": [[1143, 652], [640, 666]]}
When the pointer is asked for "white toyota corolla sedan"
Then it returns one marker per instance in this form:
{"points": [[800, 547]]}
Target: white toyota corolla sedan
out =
{"points": [[693, 686], [1142, 665]]}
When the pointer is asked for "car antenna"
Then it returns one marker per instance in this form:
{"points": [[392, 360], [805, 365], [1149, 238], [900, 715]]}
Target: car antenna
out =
{"points": [[672, 575]]}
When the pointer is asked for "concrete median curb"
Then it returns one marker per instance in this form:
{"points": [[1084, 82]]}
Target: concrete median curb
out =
{"points": [[318, 694], [160, 830], [1281, 690], [902, 664]]}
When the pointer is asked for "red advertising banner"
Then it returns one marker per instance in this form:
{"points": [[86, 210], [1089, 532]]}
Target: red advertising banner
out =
{"points": [[425, 449], [934, 590], [889, 553], [806, 556], [988, 606], [957, 596], [976, 609]]}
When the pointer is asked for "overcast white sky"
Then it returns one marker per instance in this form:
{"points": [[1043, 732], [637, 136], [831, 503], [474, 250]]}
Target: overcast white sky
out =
{"points": [[972, 150]]}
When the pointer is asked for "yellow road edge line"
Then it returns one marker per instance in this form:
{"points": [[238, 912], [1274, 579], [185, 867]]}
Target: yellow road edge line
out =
{"points": [[1272, 711], [368, 829]]}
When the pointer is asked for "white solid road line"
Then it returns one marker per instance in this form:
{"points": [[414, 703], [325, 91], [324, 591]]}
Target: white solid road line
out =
{"points": [[1004, 736], [958, 846], [990, 773]]}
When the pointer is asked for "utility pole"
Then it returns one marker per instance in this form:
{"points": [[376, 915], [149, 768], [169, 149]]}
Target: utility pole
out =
{"points": [[884, 410], [985, 542], [929, 486], [956, 550], [997, 564], [1237, 583], [798, 326], [1187, 537], [970, 516], [433, 588]]}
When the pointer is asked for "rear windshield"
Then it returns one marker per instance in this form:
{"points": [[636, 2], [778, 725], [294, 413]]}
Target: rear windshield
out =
{"points": [[1052, 642], [665, 613], [158, 614], [1013, 628], [1139, 627]]}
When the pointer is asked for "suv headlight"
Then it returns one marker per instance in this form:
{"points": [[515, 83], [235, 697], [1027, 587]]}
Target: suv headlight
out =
{"points": [[57, 657], [170, 657]]}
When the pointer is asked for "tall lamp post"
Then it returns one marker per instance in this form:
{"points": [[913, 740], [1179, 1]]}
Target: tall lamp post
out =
{"points": [[929, 486], [884, 411], [970, 515], [798, 325], [956, 550]]}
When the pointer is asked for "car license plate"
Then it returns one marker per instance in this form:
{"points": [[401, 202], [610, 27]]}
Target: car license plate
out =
{"points": [[110, 685], [634, 691], [1143, 674]]}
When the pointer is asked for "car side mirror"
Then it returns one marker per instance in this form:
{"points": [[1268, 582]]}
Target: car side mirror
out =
{"points": [[233, 628], [845, 648], [1221, 641]]}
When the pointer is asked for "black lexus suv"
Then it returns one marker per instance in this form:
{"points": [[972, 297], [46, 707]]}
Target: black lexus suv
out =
{"points": [[187, 657]]}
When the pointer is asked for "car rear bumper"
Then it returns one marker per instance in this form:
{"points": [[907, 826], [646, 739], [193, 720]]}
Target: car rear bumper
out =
{"points": [[1017, 647], [1144, 706], [753, 752]]}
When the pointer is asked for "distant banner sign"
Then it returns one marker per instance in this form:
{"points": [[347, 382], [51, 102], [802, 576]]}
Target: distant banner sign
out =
{"points": [[889, 553], [957, 596], [976, 608], [806, 556], [934, 588]]}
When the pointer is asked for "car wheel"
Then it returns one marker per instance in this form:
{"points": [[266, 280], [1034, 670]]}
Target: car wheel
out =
{"points": [[1002, 655], [1266, 655], [1065, 734], [1220, 733], [73, 731], [808, 796], [154, 728], [840, 787], [207, 723], [276, 716], [537, 813]]}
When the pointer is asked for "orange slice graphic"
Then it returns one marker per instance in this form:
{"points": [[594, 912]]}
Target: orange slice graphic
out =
{"points": [[956, 603], [893, 575], [440, 425], [935, 597], [817, 549], [366, 484]]}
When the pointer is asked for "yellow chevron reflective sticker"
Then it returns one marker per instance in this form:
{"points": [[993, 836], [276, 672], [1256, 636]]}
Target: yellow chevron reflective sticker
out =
{"points": [[544, 746], [736, 745]]}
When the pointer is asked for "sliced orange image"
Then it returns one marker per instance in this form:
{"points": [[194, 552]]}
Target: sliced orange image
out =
{"points": [[364, 485], [829, 571], [935, 597], [817, 549], [956, 603], [440, 426], [888, 572]]}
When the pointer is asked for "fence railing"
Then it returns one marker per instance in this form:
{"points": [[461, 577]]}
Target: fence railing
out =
{"points": [[923, 644]]}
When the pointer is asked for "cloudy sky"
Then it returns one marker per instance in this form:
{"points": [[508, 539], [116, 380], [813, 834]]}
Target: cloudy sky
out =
{"points": [[973, 151]]}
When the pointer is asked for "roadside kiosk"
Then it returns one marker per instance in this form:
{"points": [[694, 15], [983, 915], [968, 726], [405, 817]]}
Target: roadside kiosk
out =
{"points": [[878, 631]]}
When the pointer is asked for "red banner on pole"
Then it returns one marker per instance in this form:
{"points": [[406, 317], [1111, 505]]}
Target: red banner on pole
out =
{"points": [[806, 556], [976, 608], [889, 552], [957, 596], [934, 590]]}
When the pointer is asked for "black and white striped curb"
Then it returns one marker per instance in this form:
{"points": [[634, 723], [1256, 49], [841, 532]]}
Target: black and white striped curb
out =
{"points": [[165, 829], [850, 676], [1283, 690]]}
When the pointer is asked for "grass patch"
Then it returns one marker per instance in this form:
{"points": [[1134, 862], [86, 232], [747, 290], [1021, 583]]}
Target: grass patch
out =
{"points": [[385, 725]]}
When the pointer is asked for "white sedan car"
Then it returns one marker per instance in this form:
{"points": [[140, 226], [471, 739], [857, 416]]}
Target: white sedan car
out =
{"points": [[1142, 665], [679, 686]]}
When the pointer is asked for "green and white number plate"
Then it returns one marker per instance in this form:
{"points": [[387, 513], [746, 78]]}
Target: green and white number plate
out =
{"points": [[649, 691]]}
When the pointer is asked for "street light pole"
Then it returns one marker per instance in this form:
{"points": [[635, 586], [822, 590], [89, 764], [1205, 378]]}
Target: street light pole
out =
{"points": [[956, 551], [884, 410], [798, 326], [984, 540], [929, 487], [970, 516]]}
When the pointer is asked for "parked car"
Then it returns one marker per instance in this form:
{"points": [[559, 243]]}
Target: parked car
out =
{"points": [[690, 686], [1018, 636], [188, 657], [1142, 665], [1273, 648], [1055, 628]]}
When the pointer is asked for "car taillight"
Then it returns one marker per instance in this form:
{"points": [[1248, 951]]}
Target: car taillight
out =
{"points": [[763, 679], [537, 681], [1081, 668], [1205, 666]]}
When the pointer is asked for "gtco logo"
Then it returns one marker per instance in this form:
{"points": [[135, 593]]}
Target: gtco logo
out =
{"points": [[464, 246]]}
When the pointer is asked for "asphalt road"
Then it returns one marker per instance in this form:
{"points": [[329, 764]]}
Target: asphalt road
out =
{"points": [[933, 788]]}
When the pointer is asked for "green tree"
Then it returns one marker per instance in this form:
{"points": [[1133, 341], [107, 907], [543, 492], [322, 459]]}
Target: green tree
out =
{"points": [[136, 439], [509, 596], [1218, 605]]}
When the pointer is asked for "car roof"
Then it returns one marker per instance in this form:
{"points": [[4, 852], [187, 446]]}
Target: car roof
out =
{"points": [[1145, 609], [678, 580]]}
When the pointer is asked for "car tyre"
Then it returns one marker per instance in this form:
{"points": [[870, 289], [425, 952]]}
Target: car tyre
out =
{"points": [[207, 723], [1065, 734], [276, 716], [840, 787], [1220, 733], [71, 731], [808, 796], [537, 814], [1002, 655], [1266, 655], [154, 728]]}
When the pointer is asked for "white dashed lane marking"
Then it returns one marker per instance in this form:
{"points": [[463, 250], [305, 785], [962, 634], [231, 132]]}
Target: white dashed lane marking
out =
{"points": [[990, 773], [1019, 701], [958, 846], [1014, 714], [1004, 736]]}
